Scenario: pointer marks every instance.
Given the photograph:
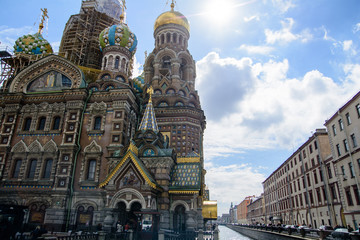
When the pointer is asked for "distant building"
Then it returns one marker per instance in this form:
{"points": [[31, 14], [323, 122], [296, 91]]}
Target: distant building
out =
{"points": [[242, 210], [256, 210], [344, 134]]}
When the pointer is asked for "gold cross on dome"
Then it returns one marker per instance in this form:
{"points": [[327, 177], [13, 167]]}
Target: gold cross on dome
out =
{"points": [[44, 15], [150, 91]]}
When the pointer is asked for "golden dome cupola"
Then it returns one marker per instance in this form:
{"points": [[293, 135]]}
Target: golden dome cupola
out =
{"points": [[172, 29]]}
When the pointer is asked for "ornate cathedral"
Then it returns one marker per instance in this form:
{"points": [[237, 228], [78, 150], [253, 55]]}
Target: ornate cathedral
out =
{"points": [[83, 142]]}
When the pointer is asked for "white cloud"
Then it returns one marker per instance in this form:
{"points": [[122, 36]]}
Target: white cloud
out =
{"points": [[349, 47], [254, 17], [256, 106], [283, 5], [232, 183], [356, 28], [285, 35], [256, 49], [8, 35]]}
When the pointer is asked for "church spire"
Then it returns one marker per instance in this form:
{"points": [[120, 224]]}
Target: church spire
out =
{"points": [[44, 15], [148, 121]]}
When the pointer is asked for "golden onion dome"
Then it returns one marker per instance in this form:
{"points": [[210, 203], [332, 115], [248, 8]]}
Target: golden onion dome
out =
{"points": [[172, 17]]}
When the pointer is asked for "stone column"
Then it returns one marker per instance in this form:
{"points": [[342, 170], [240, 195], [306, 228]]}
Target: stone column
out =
{"points": [[108, 221], [200, 235]]}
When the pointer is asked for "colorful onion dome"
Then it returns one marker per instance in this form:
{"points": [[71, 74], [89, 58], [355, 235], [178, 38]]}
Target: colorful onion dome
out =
{"points": [[139, 83], [118, 35], [172, 17], [32, 44]]}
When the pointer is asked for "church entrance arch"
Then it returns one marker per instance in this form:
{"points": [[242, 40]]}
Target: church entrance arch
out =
{"points": [[179, 218]]}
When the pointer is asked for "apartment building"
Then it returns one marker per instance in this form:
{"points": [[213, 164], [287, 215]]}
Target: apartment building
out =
{"points": [[303, 190], [344, 136], [256, 210]]}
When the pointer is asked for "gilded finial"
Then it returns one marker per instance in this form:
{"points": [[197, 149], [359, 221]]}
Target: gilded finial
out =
{"points": [[122, 16], [172, 5], [150, 91], [44, 15]]}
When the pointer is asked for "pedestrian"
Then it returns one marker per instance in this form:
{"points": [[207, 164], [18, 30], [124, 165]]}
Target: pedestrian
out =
{"points": [[350, 229]]}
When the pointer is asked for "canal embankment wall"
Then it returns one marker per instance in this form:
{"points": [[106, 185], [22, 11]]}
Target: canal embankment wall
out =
{"points": [[264, 235]]}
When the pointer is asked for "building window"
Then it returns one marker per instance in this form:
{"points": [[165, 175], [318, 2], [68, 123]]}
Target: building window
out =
{"points": [[338, 150], [97, 123], [56, 123], [346, 145], [358, 109], [348, 119], [10, 118], [356, 193], [47, 170], [310, 149], [348, 196], [318, 193], [69, 138], [341, 125], [73, 116], [343, 171], [32, 168], [116, 138], [353, 140], [16, 170], [329, 171], [4, 140], [334, 129], [71, 127], [91, 170], [41, 124], [333, 192], [352, 174], [118, 114], [27, 124], [315, 177]]}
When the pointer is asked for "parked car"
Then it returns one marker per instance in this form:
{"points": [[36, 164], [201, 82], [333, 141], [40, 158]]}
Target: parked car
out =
{"points": [[326, 228], [341, 233], [306, 228]]}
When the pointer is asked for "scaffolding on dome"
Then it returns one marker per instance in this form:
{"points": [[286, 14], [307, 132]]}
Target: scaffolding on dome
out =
{"points": [[11, 64], [80, 41]]}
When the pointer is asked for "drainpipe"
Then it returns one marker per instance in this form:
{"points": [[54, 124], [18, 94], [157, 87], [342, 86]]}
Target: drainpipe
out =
{"points": [[74, 167]]}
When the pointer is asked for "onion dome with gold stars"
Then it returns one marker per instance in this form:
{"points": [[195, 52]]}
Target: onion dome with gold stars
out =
{"points": [[34, 44]]}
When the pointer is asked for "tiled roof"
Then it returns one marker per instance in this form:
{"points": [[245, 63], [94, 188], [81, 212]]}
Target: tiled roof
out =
{"points": [[186, 177]]}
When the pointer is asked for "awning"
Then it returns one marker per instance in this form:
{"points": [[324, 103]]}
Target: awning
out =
{"points": [[209, 210]]}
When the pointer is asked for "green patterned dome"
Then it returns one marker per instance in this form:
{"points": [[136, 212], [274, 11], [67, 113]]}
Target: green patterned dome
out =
{"points": [[139, 83], [118, 35], [32, 44]]}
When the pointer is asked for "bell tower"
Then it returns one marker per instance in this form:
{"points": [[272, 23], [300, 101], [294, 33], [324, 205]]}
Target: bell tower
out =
{"points": [[170, 70]]}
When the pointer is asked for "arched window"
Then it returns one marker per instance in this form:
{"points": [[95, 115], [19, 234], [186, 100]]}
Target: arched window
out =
{"points": [[166, 62], [97, 123], [47, 169], [168, 37], [91, 170], [105, 62], [179, 104], [41, 125], [32, 169], [157, 92], [56, 123], [174, 37], [163, 104], [162, 38], [27, 124], [117, 61], [123, 62], [182, 93], [170, 91], [16, 170], [181, 39]]}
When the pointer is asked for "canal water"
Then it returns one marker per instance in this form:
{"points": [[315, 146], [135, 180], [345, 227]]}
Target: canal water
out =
{"points": [[228, 234]]}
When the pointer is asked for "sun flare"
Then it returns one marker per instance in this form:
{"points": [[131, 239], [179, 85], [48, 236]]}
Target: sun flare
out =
{"points": [[220, 12]]}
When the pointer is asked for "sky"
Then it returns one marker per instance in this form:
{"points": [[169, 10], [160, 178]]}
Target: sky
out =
{"points": [[269, 73]]}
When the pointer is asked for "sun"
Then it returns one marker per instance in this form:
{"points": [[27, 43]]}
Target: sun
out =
{"points": [[219, 12]]}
